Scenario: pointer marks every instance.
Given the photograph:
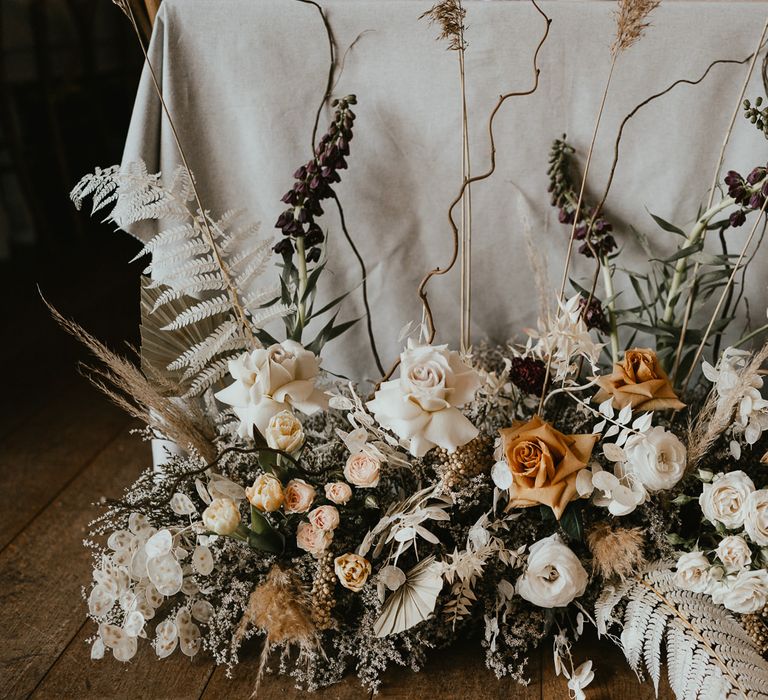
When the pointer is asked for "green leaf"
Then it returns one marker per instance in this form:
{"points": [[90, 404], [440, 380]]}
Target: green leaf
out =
{"points": [[685, 252], [329, 332], [572, 522], [330, 305], [671, 228], [312, 280]]}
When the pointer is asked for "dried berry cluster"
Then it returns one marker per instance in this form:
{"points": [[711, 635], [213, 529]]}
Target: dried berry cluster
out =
{"points": [[565, 196], [749, 192], [758, 116], [528, 374], [476, 457], [314, 183]]}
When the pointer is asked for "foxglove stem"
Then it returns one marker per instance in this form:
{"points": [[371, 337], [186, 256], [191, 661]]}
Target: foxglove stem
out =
{"points": [[682, 265], [301, 312], [610, 293]]}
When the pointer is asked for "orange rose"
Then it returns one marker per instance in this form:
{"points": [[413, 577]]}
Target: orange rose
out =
{"points": [[544, 464], [640, 382]]}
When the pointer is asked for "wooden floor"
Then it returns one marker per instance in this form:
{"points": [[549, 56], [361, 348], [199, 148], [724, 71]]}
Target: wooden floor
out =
{"points": [[62, 447]]}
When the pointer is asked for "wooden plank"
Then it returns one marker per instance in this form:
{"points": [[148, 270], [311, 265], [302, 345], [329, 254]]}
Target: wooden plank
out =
{"points": [[40, 457], [43, 569], [613, 677]]}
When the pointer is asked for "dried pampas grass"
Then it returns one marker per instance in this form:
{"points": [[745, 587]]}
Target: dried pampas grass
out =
{"points": [[449, 14], [716, 414], [281, 608], [144, 397], [616, 552], [631, 22]]}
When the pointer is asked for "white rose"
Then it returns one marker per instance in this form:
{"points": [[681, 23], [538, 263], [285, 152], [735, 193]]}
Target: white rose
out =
{"points": [[756, 517], [266, 494], [324, 518], [271, 380], [284, 432], [724, 499], [554, 575], [656, 458], [747, 592], [693, 572], [298, 496], [734, 552], [338, 492], [312, 539], [422, 406], [222, 516], [362, 470]]}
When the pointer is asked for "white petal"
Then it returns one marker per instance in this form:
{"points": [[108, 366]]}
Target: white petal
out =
{"points": [[202, 492], [202, 610], [134, 624], [189, 639], [501, 475], [188, 586], [100, 601], [110, 634], [202, 560], [137, 523], [181, 504], [97, 649], [166, 638], [613, 452], [165, 573], [159, 544], [125, 649], [119, 540]]}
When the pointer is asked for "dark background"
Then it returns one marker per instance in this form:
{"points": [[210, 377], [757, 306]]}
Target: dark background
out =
{"points": [[68, 76]]}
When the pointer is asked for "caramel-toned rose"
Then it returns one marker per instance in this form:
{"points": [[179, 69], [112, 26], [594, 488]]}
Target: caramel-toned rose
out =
{"points": [[313, 540], [338, 492], [544, 464], [638, 381], [352, 570]]}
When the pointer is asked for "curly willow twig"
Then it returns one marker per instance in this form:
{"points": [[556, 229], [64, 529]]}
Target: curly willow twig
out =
{"points": [[422, 290]]}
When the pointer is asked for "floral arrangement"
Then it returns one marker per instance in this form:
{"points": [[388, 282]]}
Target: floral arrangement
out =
{"points": [[602, 472]]}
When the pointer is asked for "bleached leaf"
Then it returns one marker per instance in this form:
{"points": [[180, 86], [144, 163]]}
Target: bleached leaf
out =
{"points": [[97, 649], [613, 453], [202, 492], [165, 573], [120, 540], [202, 560], [100, 601], [134, 623], [625, 414], [166, 638], [159, 544], [202, 611]]}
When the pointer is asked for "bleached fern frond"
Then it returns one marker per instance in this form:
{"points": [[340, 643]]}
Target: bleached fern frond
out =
{"points": [[199, 354], [256, 299], [709, 654], [235, 343], [174, 235], [261, 318], [210, 375], [240, 235], [182, 270], [101, 185], [198, 312], [192, 286]]}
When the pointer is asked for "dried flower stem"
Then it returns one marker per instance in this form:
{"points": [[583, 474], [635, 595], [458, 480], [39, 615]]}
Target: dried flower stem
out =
{"points": [[422, 290], [713, 187], [572, 236], [231, 289], [723, 295], [466, 216]]}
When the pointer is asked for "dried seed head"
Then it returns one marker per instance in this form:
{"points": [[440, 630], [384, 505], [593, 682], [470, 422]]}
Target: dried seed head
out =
{"points": [[616, 552], [631, 16], [449, 14]]}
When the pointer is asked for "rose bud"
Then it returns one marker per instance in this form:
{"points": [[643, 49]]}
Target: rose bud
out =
{"points": [[298, 496], [352, 570], [324, 518], [222, 516], [338, 492], [311, 539], [266, 494], [284, 432]]}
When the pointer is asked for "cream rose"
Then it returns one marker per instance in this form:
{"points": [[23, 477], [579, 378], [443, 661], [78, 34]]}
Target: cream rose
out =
{"points": [[222, 516], [311, 539], [734, 552], [656, 458], [266, 494], [324, 518], [271, 380], [352, 570], [693, 572], [724, 500], [284, 432], [746, 593], [422, 406], [338, 492], [756, 517], [362, 470], [299, 496], [554, 575]]}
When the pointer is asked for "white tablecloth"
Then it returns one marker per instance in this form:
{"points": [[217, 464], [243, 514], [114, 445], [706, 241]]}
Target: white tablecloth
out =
{"points": [[243, 79]]}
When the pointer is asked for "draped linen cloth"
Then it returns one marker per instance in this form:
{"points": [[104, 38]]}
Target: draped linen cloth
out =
{"points": [[243, 80]]}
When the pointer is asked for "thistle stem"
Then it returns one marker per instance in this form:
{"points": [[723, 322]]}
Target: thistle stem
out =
{"points": [[681, 267]]}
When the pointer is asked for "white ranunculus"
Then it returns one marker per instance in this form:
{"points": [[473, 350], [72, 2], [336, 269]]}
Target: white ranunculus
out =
{"points": [[271, 380], [756, 517], [284, 432], [734, 552], [746, 593], [222, 516], [422, 406], [656, 458], [724, 499], [554, 575], [693, 572]]}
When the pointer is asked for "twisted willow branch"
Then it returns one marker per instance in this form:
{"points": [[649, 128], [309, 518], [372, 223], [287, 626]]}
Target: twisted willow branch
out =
{"points": [[332, 79], [422, 290]]}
